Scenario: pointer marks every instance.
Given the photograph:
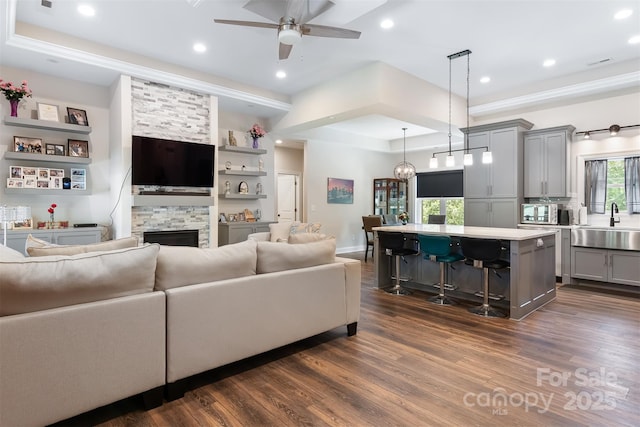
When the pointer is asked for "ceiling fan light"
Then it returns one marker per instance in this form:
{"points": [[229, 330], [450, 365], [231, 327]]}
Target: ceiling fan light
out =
{"points": [[433, 163], [289, 36], [487, 157], [467, 160]]}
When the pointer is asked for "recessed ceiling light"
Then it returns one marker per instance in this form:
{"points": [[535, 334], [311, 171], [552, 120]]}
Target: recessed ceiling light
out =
{"points": [[386, 24], [634, 39], [549, 63], [86, 10], [199, 47], [485, 79], [278, 141], [623, 14], [281, 74]]}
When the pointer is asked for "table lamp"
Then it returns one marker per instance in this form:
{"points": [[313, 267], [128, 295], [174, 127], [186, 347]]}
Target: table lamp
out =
{"points": [[13, 213]]}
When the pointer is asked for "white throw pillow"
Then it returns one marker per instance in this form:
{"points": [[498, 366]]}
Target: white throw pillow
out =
{"points": [[8, 254], [297, 238], [274, 257], [280, 231]]}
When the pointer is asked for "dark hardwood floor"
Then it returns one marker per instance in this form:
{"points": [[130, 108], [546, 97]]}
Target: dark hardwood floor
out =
{"points": [[412, 363]]}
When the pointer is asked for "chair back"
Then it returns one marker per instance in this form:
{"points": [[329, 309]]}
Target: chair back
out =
{"points": [[434, 245], [371, 221], [391, 219], [393, 241], [481, 249], [437, 219]]}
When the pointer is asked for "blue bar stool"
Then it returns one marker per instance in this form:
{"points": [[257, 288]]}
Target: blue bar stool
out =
{"points": [[394, 244], [439, 249], [484, 254]]}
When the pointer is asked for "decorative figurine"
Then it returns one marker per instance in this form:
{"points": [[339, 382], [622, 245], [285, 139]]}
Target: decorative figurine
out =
{"points": [[259, 188], [260, 164], [232, 139], [227, 188], [227, 165]]}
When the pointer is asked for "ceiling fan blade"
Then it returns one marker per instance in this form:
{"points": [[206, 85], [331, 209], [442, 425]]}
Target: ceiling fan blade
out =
{"points": [[284, 50], [246, 23], [325, 31], [273, 10]]}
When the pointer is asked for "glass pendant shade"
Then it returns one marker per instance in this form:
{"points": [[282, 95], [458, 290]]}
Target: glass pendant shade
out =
{"points": [[450, 161], [404, 170], [468, 159], [433, 163], [487, 157]]}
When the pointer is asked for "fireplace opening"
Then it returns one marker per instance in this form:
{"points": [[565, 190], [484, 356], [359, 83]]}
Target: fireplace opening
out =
{"points": [[172, 238]]}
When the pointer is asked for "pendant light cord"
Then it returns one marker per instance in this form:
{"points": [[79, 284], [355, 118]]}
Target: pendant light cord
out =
{"points": [[404, 145], [466, 134], [449, 106]]}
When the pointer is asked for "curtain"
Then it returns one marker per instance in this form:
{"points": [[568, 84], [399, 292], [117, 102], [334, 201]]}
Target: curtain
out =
{"points": [[632, 183], [595, 185]]}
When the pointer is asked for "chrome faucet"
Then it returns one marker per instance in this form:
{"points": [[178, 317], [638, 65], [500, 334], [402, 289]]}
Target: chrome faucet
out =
{"points": [[612, 220]]}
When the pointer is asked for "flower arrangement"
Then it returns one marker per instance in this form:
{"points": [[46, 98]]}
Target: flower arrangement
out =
{"points": [[404, 217], [52, 210], [15, 93], [256, 131]]}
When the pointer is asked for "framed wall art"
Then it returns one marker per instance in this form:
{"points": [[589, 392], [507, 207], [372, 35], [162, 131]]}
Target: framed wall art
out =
{"points": [[78, 148], [23, 144], [339, 191], [77, 116], [48, 112]]}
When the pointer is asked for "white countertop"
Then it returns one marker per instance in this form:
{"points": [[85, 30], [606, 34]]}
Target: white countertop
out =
{"points": [[464, 231]]}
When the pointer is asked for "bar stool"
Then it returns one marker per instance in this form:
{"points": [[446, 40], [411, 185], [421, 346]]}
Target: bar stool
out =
{"points": [[484, 254], [438, 249], [394, 245]]}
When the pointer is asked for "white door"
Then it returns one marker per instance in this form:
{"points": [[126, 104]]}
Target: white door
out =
{"points": [[288, 199]]}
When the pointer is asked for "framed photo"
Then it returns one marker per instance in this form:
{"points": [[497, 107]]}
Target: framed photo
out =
{"points": [[30, 182], [55, 183], [29, 172], [339, 191], [22, 144], [78, 174], [77, 117], [15, 183], [48, 112], [43, 174], [16, 172], [42, 184], [78, 148], [222, 218], [24, 224], [56, 173], [233, 218], [56, 149], [241, 216]]}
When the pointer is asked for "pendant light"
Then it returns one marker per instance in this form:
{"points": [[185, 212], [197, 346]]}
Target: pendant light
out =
{"points": [[404, 170], [468, 157]]}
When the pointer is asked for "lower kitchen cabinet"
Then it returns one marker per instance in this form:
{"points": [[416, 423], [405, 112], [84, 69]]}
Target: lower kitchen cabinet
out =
{"points": [[605, 265], [234, 232], [16, 239]]}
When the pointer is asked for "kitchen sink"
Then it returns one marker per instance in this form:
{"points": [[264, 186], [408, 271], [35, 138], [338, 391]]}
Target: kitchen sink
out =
{"points": [[609, 238]]}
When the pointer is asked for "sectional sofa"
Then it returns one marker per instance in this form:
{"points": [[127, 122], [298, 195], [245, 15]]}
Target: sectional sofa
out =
{"points": [[79, 331]]}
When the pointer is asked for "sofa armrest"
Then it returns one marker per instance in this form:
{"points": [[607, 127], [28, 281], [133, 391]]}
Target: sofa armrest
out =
{"points": [[353, 279], [263, 236]]}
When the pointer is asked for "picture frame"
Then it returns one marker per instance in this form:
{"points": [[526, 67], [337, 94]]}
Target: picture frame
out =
{"points": [[241, 216], [16, 172], [30, 182], [55, 183], [339, 191], [77, 148], [56, 150], [15, 183], [42, 184], [22, 225], [48, 112], [233, 218], [78, 185], [56, 173], [43, 174], [29, 172], [23, 144], [77, 116]]}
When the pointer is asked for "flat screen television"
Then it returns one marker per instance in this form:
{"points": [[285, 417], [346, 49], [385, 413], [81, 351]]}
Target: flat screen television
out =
{"points": [[164, 162]]}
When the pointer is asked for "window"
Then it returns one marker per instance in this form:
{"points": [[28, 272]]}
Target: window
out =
{"points": [[440, 193], [453, 208], [615, 185]]}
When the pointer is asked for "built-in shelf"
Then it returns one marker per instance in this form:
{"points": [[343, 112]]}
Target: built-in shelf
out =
{"points": [[164, 200], [46, 192], [243, 150], [17, 155], [241, 172], [46, 125], [243, 196]]}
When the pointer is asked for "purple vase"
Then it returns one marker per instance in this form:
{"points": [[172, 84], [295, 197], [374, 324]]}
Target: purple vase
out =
{"points": [[255, 142], [14, 107]]}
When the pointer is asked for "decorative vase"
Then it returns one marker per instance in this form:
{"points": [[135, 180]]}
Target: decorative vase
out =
{"points": [[255, 142], [14, 107]]}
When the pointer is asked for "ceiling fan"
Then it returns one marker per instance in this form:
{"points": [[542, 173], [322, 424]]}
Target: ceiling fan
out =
{"points": [[292, 17]]}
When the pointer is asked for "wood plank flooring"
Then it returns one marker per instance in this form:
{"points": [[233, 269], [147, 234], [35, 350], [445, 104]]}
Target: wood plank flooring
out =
{"points": [[413, 363]]}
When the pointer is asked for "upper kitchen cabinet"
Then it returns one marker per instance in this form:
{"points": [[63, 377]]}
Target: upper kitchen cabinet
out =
{"points": [[545, 161], [501, 178]]}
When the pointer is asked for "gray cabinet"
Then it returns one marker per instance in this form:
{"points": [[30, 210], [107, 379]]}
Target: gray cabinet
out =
{"points": [[493, 192], [605, 265], [545, 162], [234, 232], [16, 239]]}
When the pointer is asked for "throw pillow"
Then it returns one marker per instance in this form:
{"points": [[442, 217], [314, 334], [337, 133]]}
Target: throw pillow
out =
{"points": [[305, 228], [182, 265], [8, 254], [280, 231], [297, 238], [109, 245], [34, 242], [34, 284], [274, 257]]}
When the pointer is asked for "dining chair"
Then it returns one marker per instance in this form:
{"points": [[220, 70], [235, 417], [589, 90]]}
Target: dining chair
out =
{"points": [[368, 222], [437, 219]]}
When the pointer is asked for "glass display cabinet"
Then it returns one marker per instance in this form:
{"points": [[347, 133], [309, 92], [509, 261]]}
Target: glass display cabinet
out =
{"points": [[389, 196]]}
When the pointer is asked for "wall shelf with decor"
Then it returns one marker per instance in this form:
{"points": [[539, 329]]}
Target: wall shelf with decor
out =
{"points": [[46, 192], [241, 172], [243, 196], [46, 125], [243, 150], [15, 155]]}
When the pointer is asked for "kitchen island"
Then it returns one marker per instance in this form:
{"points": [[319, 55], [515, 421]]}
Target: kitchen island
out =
{"points": [[527, 285]]}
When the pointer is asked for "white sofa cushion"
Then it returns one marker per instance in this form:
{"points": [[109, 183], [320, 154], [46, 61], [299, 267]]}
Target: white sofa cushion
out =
{"points": [[109, 245], [33, 284], [7, 254], [296, 238], [274, 257], [182, 265]]}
